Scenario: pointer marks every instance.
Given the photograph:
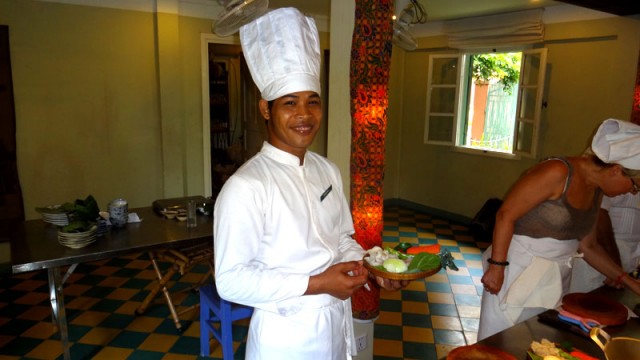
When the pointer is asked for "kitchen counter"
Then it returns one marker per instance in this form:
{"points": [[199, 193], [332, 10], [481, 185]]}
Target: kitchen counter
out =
{"points": [[517, 339]]}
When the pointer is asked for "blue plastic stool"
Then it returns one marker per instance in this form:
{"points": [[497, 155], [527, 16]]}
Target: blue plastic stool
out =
{"points": [[215, 309]]}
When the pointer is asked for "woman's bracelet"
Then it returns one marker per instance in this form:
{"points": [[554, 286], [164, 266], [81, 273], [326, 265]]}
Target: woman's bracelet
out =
{"points": [[620, 277], [499, 263]]}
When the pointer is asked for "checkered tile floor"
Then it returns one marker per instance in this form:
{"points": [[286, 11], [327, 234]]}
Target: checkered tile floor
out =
{"points": [[424, 321]]}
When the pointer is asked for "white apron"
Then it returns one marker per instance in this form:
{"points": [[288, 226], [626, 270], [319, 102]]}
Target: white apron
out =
{"points": [[312, 330], [535, 280]]}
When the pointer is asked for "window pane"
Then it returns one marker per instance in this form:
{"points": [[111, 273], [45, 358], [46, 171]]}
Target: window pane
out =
{"points": [[444, 71], [528, 106], [531, 69], [443, 100], [525, 137], [491, 102], [440, 128]]}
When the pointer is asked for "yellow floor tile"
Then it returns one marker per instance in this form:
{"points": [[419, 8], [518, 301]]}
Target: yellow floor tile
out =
{"points": [[446, 242], [28, 285], [105, 270], [144, 324], [147, 275], [446, 322], [137, 264], [415, 286], [416, 334], [75, 289], [128, 308], [122, 294], [36, 313], [474, 264], [110, 353], [440, 298], [390, 295], [158, 342], [459, 289], [113, 281], [471, 337], [384, 347], [440, 277], [390, 318], [466, 311], [469, 250], [48, 349], [90, 318], [462, 271], [179, 357], [41, 330], [442, 231], [99, 336], [415, 307], [82, 303]]}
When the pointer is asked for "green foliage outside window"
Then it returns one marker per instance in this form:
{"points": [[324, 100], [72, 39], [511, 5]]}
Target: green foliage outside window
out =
{"points": [[503, 67]]}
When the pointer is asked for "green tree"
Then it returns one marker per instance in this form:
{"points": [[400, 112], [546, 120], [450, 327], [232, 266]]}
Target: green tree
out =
{"points": [[503, 67]]}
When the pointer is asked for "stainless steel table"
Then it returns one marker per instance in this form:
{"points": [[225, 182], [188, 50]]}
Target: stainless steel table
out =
{"points": [[34, 246], [516, 339]]}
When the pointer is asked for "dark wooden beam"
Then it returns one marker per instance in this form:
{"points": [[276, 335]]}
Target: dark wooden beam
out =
{"points": [[617, 7]]}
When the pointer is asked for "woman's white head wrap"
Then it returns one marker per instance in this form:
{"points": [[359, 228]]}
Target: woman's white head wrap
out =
{"points": [[282, 49], [618, 142]]}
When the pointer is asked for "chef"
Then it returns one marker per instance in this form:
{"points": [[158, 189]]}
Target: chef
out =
{"points": [[547, 217], [282, 225]]}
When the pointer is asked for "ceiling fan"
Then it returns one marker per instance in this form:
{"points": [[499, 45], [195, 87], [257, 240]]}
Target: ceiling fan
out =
{"points": [[412, 13], [237, 13]]}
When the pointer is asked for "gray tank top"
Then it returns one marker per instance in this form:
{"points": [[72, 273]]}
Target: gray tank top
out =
{"points": [[557, 219]]}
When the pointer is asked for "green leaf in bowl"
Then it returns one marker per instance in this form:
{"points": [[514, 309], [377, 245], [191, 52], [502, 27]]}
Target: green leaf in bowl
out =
{"points": [[424, 262]]}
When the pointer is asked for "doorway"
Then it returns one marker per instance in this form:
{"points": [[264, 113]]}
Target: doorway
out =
{"points": [[233, 129], [11, 206]]}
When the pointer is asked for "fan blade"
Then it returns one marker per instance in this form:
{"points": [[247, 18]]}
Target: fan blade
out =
{"points": [[404, 39], [239, 13]]}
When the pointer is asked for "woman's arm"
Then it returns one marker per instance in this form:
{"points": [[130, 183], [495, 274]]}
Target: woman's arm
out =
{"points": [[596, 256], [544, 181]]}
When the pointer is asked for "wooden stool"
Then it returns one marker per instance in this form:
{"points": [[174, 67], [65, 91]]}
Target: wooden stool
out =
{"points": [[181, 260], [215, 309]]}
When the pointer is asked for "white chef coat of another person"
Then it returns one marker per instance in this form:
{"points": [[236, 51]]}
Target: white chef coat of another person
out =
{"points": [[282, 225], [549, 215], [619, 230]]}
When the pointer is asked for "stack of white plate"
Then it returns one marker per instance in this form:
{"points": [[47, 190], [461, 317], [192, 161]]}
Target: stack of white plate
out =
{"points": [[78, 240], [55, 215]]}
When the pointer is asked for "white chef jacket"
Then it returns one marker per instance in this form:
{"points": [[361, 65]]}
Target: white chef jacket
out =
{"points": [[276, 223], [624, 211]]}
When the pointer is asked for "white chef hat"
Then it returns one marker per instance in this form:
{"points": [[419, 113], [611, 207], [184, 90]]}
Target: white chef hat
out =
{"points": [[282, 49], [618, 142]]}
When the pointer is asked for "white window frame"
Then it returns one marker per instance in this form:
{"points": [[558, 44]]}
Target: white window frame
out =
{"points": [[525, 118]]}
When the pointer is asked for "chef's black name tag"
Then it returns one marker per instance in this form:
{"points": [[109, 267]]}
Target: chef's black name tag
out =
{"points": [[326, 192]]}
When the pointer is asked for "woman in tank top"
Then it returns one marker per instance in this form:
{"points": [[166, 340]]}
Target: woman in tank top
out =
{"points": [[547, 216]]}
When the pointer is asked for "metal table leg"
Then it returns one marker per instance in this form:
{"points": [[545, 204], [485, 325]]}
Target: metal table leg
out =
{"points": [[57, 307]]}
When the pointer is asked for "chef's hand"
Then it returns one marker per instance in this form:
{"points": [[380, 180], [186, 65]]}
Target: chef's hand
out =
{"points": [[340, 280], [493, 279], [391, 285]]}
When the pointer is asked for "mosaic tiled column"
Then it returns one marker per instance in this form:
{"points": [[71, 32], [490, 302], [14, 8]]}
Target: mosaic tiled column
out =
{"points": [[635, 111], [370, 65]]}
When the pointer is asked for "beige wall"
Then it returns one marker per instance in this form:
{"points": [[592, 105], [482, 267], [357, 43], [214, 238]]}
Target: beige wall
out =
{"points": [[591, 74], [108, 102]]}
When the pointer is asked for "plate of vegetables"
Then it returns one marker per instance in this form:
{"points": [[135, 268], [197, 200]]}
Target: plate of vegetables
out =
{"points": [[397, 265]]}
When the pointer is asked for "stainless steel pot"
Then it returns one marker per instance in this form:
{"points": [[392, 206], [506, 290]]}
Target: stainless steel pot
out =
{"points": [[617, 348]]}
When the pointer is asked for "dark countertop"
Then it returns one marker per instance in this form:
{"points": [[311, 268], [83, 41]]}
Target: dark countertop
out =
{"points": [[35, 244], [516, 340]]}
